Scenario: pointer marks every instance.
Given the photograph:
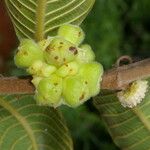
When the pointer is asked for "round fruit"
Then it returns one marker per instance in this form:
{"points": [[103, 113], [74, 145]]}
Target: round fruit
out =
{"points": [[28, 52], [50, 89], [40, 68], [85, 54], [75, 90], [72, 33], [60, 52], [36, 80], [68, 69], [92, 74], [44, 43]]}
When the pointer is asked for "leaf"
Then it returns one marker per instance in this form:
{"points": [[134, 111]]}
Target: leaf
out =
{"points": [[27, 126], [129, 128], [38, 18]]}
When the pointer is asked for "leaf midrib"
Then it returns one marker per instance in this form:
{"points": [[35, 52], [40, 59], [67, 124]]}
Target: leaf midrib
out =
{"points": [[40, 19], [22, 121], [145, 122], [142, 118]]}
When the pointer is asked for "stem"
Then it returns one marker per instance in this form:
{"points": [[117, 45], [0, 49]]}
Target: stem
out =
{"points": [[40, 17], [14, 85], [114, 79], [121, 77]]}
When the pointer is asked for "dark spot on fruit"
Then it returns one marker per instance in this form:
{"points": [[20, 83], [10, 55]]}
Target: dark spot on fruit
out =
{"points": [[82, 97], [55, 84], [73, 49], [56, 57], [61, 43], [70, 70], [64, 59], [86, 82], [48, 49], [25, 53], [79, 34], [66, 65], [76, 52]]}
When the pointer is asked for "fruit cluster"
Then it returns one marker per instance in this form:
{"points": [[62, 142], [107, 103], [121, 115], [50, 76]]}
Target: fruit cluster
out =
{"points": [[63, 70]]}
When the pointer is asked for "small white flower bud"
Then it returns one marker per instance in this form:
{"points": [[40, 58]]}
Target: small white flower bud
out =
{"points": [[134, 94]]}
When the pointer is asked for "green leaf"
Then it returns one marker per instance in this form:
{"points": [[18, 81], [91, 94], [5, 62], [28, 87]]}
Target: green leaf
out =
{"points": [[37, 19], [129, 128], [26, 126]]}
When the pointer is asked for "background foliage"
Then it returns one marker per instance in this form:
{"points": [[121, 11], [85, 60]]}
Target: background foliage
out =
{"points": [[113, 28]]}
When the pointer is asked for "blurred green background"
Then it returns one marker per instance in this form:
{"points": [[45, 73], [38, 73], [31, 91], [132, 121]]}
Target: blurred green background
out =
{"points": [[113, 28]]}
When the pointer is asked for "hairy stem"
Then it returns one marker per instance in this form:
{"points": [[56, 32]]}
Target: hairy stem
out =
{"points": [[114, 79], [40, 17]]}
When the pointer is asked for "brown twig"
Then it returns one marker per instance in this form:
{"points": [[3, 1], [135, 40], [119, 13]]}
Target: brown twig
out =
{"points": [[114, 79], [14, 85], [119, 78]]}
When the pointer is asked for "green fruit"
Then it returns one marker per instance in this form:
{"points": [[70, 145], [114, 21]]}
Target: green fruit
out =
{"points": [[85, 54], [60, 52], [41, 101], [92, 74], [28, 52], [47, 70], [44, 43], [50, 89], [68, 69], [72, 33], [75, 91], [35, 68], [36, 80], [40, 68]]}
